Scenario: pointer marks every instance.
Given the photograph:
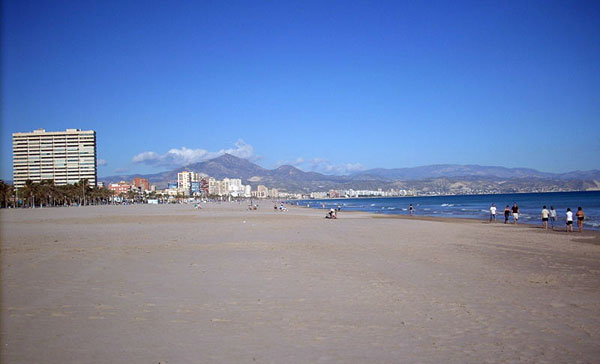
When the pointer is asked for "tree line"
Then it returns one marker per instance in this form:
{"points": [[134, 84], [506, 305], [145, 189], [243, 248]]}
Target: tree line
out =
{"points": [[45, 193]]}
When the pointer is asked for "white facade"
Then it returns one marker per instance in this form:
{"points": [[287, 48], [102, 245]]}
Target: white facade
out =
{"points": [[262, 191], [63, 156], [236, 188], [185, 179]]}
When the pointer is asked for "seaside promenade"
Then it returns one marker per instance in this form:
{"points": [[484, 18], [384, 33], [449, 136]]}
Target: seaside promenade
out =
{"points": [[168, 283]]}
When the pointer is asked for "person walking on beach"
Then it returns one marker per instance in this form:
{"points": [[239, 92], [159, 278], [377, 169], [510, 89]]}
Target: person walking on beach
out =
{"points": [[580, 217], [506, 214], [515, 213], [545, 215], [552, 216], [411, 209], [569, 220], [493, 213]]}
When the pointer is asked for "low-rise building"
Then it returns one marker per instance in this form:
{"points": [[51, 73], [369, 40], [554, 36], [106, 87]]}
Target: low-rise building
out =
{"points": [[120, 187], [262, 191]]}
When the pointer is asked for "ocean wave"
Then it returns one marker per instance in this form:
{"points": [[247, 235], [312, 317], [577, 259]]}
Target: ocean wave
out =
{"points": [[447, 205]]}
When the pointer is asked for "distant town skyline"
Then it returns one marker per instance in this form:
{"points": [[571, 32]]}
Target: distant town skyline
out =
{"points": [[331, 87]]}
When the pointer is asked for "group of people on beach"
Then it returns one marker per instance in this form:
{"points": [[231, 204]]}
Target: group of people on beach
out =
{"points": [[547, 216], [332, 214]]}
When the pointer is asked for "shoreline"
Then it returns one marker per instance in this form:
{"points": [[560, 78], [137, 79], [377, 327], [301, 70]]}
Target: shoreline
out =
{"points": [[425, 196], [450, 219]]}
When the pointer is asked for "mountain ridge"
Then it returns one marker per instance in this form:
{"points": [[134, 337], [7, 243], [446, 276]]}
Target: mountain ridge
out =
{"points": [[293, 179]]}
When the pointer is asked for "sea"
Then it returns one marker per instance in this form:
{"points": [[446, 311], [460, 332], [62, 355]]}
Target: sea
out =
{"points": [[475, 206]]}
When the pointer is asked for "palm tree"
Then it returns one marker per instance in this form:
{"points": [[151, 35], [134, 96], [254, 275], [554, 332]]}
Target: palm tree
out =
{"points": [[46, 192], [71, 193], [59, 195], [130, 195], [28, 192], [6, 193], [85, 186]]}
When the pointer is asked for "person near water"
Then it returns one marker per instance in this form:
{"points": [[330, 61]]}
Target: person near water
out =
{"points": [[569, 220], [545, 216], [515, 213], [506, 214], [493, 212], [580, 217], [552, 216], [332, 214], [411, 209]]}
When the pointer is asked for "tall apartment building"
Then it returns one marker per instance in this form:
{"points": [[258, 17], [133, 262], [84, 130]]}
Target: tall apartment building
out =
{"points": [[141, 183], [63, 156], [185, 179]]}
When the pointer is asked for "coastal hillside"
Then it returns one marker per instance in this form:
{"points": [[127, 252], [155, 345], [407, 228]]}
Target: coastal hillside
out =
{"points": [[456, 170]]}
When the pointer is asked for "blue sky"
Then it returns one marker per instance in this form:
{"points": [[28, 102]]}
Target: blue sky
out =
{"points": [[327, 86]]}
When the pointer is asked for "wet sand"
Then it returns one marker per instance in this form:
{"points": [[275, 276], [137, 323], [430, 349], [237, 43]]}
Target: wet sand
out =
{"points": [[145, 284]]}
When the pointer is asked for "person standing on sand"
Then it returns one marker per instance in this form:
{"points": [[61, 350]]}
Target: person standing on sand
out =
{"points": [[545, 215], [506, 214], [580, 217], [515, 212], [411, 209], [569, 220], [493, 212], [552, 216]]}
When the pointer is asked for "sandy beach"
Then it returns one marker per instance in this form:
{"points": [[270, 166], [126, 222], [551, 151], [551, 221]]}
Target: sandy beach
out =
{"points": [[171, 284]]}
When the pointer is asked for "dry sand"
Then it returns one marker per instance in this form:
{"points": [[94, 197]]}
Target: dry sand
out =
{"points": [[144, 284]]}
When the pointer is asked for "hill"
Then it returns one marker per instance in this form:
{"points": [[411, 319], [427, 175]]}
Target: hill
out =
{"points": [[442, 178]]}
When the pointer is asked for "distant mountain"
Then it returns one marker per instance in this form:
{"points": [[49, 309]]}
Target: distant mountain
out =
{"points": [[456, 170], [443, 178], [287, 178], [226, 166]]}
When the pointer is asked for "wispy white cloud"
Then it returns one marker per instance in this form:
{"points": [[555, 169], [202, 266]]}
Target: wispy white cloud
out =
{"points": [[101, 162], [323, 165], [184, 156]]}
